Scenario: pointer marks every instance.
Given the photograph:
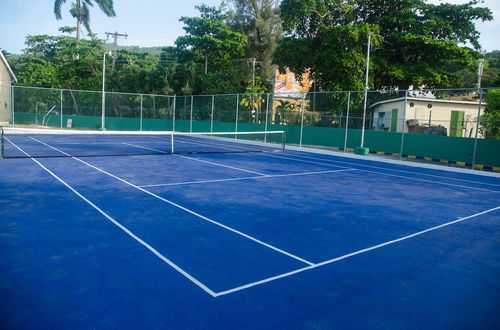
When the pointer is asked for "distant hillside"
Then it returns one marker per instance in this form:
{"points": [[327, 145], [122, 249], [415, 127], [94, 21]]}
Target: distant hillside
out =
{"points": [[152, 50]]}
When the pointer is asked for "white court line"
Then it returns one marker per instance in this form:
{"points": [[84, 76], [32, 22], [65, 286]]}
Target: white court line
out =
{"points": [[352, 254], [244, 178], [396, 170], [199, 160], [388, 174], [183, 208], [377, 167], [116, 223]]}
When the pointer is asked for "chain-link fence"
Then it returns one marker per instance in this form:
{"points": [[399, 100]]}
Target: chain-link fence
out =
{"points": [[452, 125]]}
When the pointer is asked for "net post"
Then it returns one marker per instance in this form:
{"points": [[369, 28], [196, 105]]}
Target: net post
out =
{"points": [[140, 120], [172, 143], [267, 112], [212, 116], [404, 125], [347, 120], [61, 96], [173, 114], [283, 141]]}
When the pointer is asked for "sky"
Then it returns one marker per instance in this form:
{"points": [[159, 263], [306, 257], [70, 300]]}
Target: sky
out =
{"points": [[147, 23]]}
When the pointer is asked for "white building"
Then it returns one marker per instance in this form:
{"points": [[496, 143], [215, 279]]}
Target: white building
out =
{"points": [[427, 115], [7, 77]]}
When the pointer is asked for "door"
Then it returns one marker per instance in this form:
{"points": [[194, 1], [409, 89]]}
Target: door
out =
{"points": [[456, 124], [394, 120]]}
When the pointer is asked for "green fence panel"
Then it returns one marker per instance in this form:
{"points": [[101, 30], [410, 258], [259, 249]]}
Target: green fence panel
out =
{"points": [[488, 152], [201, 126], [156, 124], [439, 147]]}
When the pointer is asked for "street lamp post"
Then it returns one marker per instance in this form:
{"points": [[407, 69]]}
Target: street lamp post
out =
{"points": [[362, 150], [103, 95]]}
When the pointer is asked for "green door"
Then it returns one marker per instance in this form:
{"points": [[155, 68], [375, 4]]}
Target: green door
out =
{"points": [[394, 120], [456, 124]]}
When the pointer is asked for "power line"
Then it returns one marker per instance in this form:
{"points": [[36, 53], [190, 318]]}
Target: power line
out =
{"points": [[115, 35]]}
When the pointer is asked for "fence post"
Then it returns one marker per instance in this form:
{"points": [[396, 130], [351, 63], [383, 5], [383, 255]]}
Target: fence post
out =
{"points": [[347, 120], [191, 116], [61, 114], [404, 126], [212, 115], [140, 120], [267, 113], [477, 127], [12, 104], [103, 110], [237, 113], [173, 114], [302, 121]]}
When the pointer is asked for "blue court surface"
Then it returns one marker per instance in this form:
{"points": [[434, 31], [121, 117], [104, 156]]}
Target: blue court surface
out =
{"points": [[259, 240]]}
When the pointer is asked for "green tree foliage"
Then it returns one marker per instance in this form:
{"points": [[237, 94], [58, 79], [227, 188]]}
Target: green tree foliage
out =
{"points": [[80, 11], [61, 62], [210, 39], [209, 44], [413, 43], [490, 120], [259, 21]]}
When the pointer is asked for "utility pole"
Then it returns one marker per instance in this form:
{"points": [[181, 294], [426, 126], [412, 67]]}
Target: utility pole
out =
{"points": [[115, 35]]}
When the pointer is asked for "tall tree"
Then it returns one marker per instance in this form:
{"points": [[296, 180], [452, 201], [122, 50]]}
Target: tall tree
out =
{"points": [[208, 37], [414, 41], [259, 21], [80, 11]]}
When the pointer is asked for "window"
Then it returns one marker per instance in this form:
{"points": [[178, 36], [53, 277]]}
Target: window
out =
{"points": [[381, 120]]}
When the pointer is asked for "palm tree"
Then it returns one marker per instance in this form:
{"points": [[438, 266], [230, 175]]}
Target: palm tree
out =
{"points": [[80, 11]]}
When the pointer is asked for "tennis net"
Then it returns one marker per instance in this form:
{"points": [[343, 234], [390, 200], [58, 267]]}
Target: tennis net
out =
{"points": [[41, 143]]}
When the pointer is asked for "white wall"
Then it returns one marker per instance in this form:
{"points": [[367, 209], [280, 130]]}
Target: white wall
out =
{"points": [[439, 114], [5, 110]]}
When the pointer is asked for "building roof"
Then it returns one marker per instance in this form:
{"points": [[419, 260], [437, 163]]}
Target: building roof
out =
{"points": [[4, 60], [424, 99]]}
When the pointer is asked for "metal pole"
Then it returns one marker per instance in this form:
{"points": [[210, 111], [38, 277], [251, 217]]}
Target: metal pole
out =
{"points": [[267, 113], [404, 126], [103, 96], [301, 123], [172, 142], [140, 121], [479, 75], [173, 115], [212, 116], [366, 88], [237, 112], [12, 105], [61, 109], [347, 120], [477, 127], [191, 116]]}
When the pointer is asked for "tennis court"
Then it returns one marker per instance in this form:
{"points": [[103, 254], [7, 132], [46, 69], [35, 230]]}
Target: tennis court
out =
{"points": [[231, 231]]}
